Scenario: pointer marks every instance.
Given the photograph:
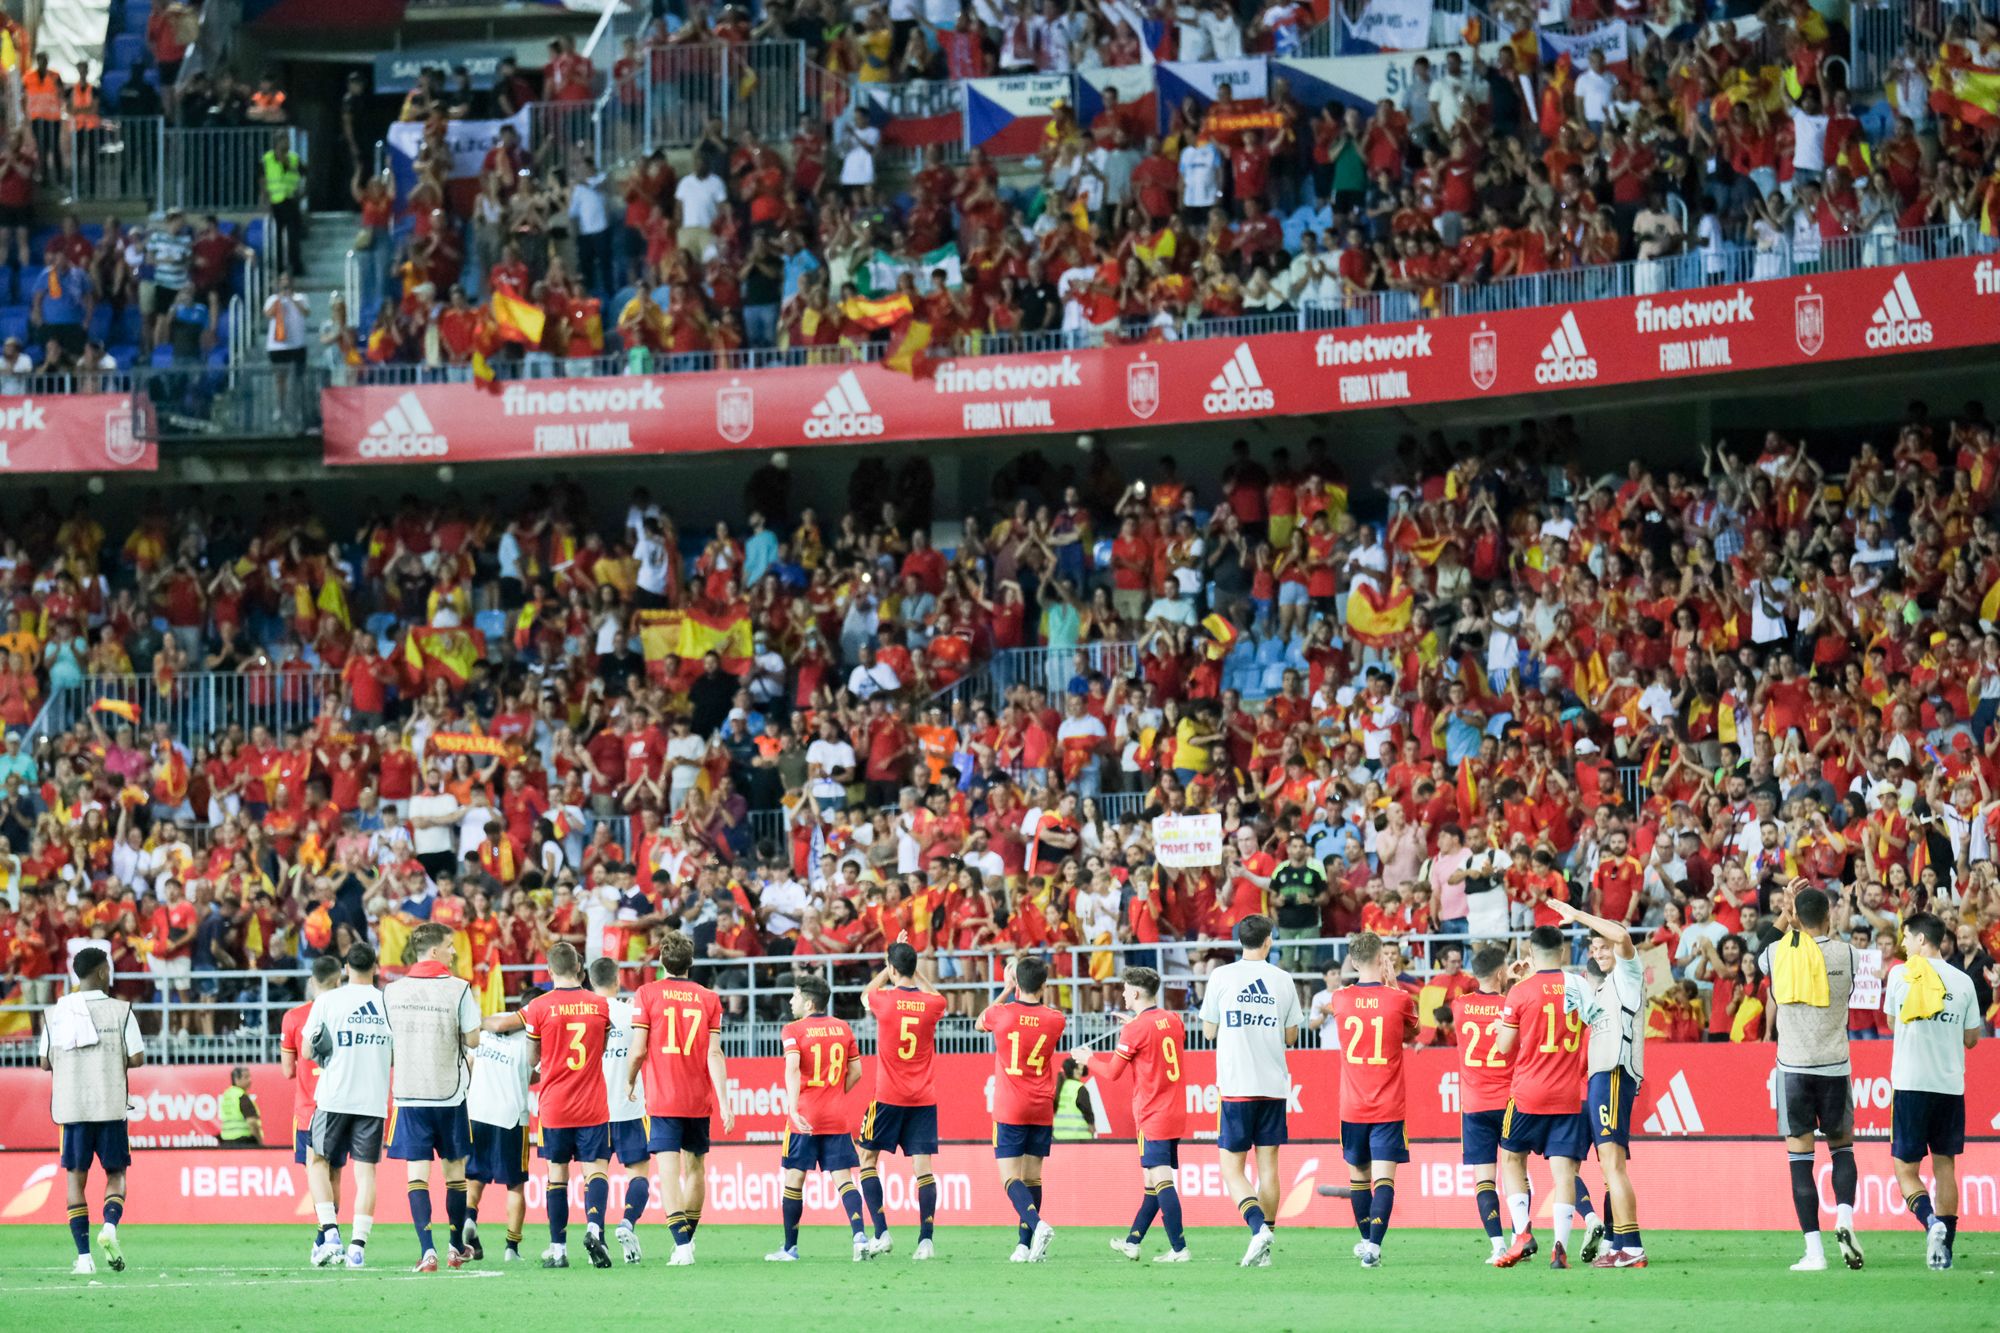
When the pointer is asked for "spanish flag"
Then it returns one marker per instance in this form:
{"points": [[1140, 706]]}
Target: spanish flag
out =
{"points": [[518, 320], [1989, 605], [877, 313], [492, 985], [392, 940], [1967, 94], [483, 373], [1221, 633], [907, 356], [1468, 790], [524, 626], [443, 654], [126, 709], [333, 602], [724, 631], [1375, 617], [1655, 758]]}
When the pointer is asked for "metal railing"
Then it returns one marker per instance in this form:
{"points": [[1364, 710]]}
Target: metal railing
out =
{"points": [[199, 704], [237, 401], [218, 171], [234, 1015], [678, 92], [66, 382], [116, 163], [1640, 277]]}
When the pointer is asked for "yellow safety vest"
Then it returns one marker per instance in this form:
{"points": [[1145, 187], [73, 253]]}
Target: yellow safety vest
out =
{"points": [[282, 177], [1069, 1124], [230, 1118]]}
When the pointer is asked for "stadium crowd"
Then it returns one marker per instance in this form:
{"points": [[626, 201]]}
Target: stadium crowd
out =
{"points": [[1663, 694], [1710, 152]]}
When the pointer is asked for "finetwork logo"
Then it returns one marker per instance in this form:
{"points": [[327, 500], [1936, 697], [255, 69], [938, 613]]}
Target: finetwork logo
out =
{"points": [[1239, 388], [1986, 279], [1676, 1112], [1565, 359], [844, 413], [1897, 322], [405, 431]]}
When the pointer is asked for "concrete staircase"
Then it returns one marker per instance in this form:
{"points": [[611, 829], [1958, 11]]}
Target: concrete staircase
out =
{"points": [[328, 237]]}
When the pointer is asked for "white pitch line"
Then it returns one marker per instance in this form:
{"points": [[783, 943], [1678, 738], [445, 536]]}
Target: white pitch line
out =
{"points": [[100, 1285]]}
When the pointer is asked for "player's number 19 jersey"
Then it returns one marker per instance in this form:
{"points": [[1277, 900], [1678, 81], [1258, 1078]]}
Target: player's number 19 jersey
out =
{"points": [[1548, 1049]]}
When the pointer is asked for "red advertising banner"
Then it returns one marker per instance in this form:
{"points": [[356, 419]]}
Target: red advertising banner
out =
{"points": [[1086, 1184], [79, 432], [1690, 1091], [1851, 315]]}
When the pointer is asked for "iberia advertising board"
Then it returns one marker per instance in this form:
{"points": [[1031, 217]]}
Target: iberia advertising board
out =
{"points": [[77, 432], [1690, 1091], [1086, 1185], [1850, 315]]}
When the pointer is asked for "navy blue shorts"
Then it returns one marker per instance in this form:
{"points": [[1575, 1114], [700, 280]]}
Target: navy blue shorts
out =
{"points": [[1159, 1152], [628, 1142], [576, 1143], [828, 1152], [905, 1129], [1919, 1123], [301, 1140], [103, 1141], [1560, 1134], [499, 1155], [1609, 1108], [419, 1133], [1479, 1137], [1374, 1141], [678, 1133], [1258, 1122], [1022, 1140]]}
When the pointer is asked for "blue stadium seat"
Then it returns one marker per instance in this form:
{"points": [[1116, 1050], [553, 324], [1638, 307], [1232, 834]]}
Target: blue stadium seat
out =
{"points": [[253, 234], [133, 19], [14, 322], [1273, 678], [493, 624], [381, 624], [1270, 650], [123, 50], [114, 83]]}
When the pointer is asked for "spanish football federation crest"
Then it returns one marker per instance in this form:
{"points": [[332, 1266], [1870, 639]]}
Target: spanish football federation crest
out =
{"points": [[121, 445], [1484, 358], [735, 413], [1142, 388], [1809, 322]]}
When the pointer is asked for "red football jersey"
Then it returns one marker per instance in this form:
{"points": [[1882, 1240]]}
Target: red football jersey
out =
{"points": [[1485, 1077], [569, 1025], [291, 1037], [905, 1043], [1372, 1022], [826, 1048], [675, 1018], [1151, 1044], [1027, 1056], [1548, 1051]]}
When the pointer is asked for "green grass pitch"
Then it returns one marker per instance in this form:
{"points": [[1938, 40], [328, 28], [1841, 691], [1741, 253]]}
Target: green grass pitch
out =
{"points": [[256, 1278]]}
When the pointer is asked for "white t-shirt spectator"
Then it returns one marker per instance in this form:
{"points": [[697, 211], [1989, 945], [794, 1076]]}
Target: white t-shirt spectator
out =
{"points": [[857, 161], [684, 756], [829, 757], [1594, 92], [787, 901], [1808, 141], [652, 575], [285, 322], [701, 198], [438, 838], [1201, 176]]}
